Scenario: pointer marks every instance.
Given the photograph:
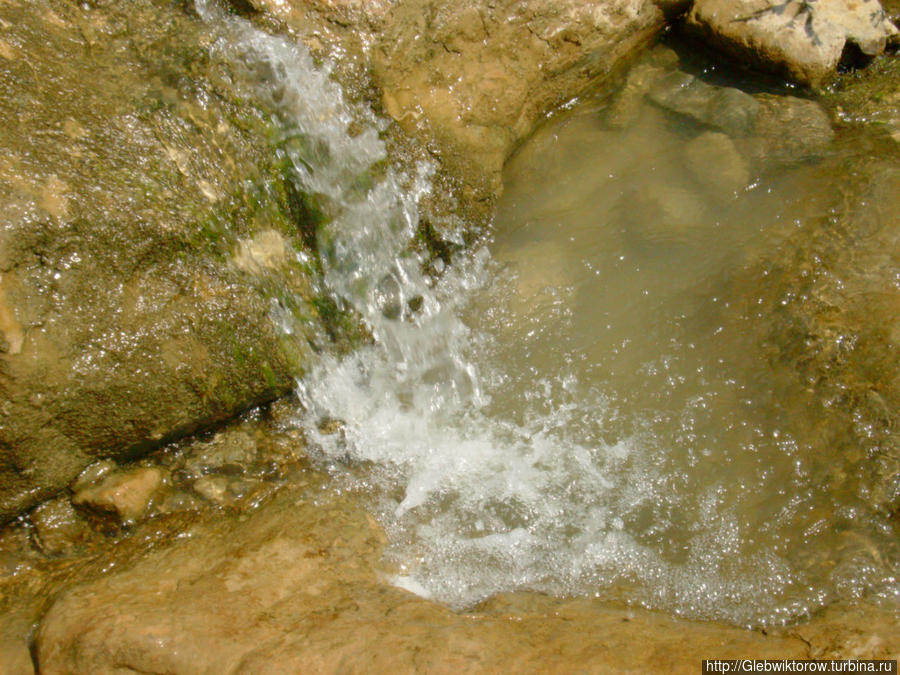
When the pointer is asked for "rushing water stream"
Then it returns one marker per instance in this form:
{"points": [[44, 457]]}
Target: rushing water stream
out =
{"points": [[581, 405]]}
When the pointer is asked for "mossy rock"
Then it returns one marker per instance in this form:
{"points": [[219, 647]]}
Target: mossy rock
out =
{"points": [[131, 180]]}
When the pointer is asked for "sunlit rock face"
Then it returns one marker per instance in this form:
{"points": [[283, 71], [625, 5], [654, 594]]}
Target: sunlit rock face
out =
{"points": [[803, 40], [297, 587], [130, 312]]}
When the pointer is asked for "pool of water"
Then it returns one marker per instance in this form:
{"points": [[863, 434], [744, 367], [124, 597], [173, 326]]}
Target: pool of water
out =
{"points": [[602, 401]]}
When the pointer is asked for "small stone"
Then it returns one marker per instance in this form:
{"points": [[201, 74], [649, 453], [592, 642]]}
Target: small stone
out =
{"points": [[213, 488], [179, 501], [267, 250], [716, 163], [330, 425], [125, 494], [58, 528], [229, 452]]}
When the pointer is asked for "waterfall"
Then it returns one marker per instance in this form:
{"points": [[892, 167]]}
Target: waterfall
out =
{"points": [[478, 501]]}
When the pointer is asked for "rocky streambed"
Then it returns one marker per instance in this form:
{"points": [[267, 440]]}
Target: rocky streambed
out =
{"points": [[205, 205]]}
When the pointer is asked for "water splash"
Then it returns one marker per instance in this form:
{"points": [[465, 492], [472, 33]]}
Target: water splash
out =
{"points": [[480, 490]]}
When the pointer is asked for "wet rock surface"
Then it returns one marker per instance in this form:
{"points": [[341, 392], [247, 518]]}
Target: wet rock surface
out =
{"points": [[117, 203], [471, 82], [823, 288], [126, 182], [298, 585], [124, 494], [58, 543], [803, 40], [715, 161], [58, 529]]}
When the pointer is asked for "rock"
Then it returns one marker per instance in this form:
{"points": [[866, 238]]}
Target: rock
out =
{"points": [[15, 658], [16, 552], [298, 587], [213, 488], [803, 39], [870, 97], [650, 67], [58, 528], [472, 81], [145, 231], [715, 162], [230, 452], [178, 501], [726, 108], [660, 213], [795, 128], [125, 494], [93, 473]]}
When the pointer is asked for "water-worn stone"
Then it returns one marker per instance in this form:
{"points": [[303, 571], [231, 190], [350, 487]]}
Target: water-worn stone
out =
{"points": [[803, 39], [659, 214], [58, 529], [767, 129], [229, 452], [650, 67], [795, 128], [715, 162], [297, 587], [726, 108], [125, 494], [144, 228]]}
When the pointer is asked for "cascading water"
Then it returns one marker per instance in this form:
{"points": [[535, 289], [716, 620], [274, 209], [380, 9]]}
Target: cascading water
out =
{"points": [[501, 444]]}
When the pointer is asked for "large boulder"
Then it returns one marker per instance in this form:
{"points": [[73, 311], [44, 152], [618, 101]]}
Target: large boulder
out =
{"points": [[803, 39], [130, 311]]}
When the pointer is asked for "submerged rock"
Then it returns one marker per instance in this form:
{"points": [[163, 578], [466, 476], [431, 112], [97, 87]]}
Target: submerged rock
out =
{"points": [[793, 128], [665, 213], [715, 162], [759, 131], [726, 108], [230, 452], [804, 39], [58, 529]]}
